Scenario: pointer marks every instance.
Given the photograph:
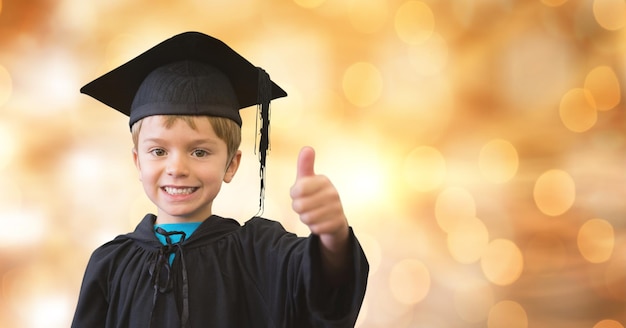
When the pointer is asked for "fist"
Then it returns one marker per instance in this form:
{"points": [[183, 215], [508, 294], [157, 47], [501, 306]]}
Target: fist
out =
{"points": [[316, 200]]}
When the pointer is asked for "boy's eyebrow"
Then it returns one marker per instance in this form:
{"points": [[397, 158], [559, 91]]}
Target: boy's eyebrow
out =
{"points": [[210, 141]]}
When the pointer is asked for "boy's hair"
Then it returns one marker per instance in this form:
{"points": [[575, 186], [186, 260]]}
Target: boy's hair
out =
{"points": [[226, 129]]}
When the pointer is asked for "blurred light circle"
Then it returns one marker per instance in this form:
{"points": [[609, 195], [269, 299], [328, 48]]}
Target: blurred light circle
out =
{"points": [[604, 86], [362, 84], [468, 240], [498, 161], [414, 22], [608, 323], [453, 205], [424, 168], [507, 314], [596, 239], [409, 281], [610, 14], [554, 192], [578, 110], [502, 262]]}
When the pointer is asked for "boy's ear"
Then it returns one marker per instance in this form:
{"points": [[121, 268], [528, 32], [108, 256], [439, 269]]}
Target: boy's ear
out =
{"points": [[232, 167], [136, 161]]}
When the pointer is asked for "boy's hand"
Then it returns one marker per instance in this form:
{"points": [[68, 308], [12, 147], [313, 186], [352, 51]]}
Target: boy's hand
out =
{"points": [[317, 202]]}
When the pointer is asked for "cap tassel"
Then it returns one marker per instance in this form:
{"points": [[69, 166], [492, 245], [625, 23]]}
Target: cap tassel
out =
{"points": [[263, 108]]}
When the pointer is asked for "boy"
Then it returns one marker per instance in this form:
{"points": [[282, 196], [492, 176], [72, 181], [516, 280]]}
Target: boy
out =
{"points": [[185, 266]]}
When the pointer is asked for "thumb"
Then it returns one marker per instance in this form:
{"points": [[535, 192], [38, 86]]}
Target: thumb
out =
{"points": [[306, 161]]}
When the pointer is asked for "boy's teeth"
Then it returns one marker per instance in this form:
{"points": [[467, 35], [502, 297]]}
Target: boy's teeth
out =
{"points": [[178, 191]]}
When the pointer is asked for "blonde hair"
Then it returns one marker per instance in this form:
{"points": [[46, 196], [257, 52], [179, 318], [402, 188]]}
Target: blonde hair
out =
{"points": [[227, 130]]}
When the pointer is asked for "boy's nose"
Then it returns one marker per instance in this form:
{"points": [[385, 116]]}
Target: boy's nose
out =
{"points": [[177, 166]]}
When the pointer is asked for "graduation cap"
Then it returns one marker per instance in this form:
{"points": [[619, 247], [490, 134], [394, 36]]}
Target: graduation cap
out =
{"points": [[190, 74]]}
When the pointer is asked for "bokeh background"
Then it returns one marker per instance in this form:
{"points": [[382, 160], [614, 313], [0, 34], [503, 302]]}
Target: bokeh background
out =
{"points": [[479, 147]]}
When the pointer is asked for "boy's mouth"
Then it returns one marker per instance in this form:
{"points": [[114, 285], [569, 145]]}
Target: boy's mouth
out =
{"points": [[179, 191]]}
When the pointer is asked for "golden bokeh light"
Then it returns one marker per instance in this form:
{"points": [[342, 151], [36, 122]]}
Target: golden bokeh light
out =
{"points": [[368, 16], [414, 22], [362, 84], [424, 168], [596, 239], [604, 86], [498, 161], [473, 303], [554, 192], [610, 14], [453, 205], [368, 180], [507, 314], [608, 323], [468, 240], [578, 110], [409, 281], [502, 262], [6, 85], [365, 182]]}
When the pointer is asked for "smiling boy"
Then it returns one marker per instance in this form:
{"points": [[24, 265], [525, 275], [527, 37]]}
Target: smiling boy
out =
{"points": [[182, 163], [186, 266]]}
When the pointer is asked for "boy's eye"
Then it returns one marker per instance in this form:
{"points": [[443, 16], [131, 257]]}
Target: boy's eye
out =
{"points": [[158, 152], [200, 153]]}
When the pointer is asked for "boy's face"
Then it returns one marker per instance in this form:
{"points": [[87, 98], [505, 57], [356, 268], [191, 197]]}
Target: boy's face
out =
{"points": [[182, 169]]}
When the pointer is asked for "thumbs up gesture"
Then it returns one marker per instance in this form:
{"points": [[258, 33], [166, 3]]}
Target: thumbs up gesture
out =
{"points": [[317, 202]]}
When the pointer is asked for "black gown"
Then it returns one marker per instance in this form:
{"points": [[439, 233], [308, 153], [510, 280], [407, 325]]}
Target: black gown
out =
{"points": [[224, 275]]}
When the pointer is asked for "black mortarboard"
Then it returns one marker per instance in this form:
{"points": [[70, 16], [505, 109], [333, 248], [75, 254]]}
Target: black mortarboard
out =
{"points": [[189, 74]]}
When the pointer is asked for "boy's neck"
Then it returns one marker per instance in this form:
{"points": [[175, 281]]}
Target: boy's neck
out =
{"points": [[173, 220]]}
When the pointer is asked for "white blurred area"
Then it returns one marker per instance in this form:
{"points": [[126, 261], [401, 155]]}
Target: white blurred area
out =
{"points": [[479, 147]]}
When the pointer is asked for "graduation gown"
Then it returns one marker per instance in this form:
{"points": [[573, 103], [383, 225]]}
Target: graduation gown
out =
{"points": [[224, 275]]}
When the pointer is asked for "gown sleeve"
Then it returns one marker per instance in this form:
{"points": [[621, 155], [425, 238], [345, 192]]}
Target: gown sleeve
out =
{"points": [[92, 308], [290, 274], [334, 305]]}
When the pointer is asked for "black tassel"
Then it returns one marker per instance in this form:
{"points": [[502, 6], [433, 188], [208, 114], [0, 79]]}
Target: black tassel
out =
{"points": [[263, 108]]}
